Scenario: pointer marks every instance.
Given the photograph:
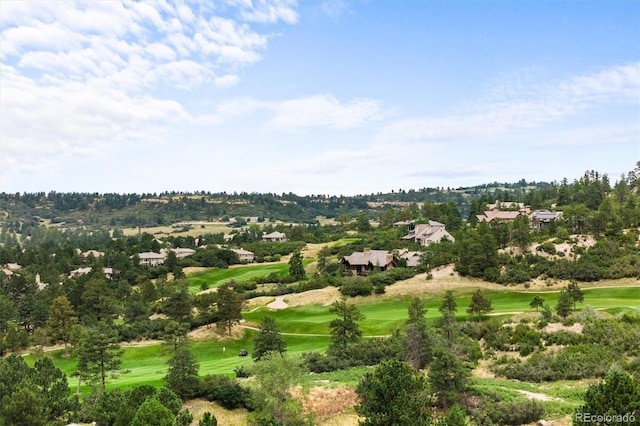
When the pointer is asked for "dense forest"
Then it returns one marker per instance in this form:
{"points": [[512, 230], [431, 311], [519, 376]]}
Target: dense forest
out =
{"points": [[44, 300], [95, 210]]}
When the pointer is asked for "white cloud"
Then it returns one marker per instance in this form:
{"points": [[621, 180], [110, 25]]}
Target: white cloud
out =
{"points": [[515, 110], [323, 111], [80, 77], [267, 11]]}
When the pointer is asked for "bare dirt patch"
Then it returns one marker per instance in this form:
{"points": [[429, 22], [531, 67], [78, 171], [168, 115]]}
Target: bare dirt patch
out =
{"points": [[198, 407], [556, 326], [325, 403], [324, 296], [537, 396], [279, 303], [211, 333]]}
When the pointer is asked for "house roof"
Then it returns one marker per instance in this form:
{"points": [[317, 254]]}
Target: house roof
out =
{"points": [[242, 251], [274, 235], [150, 255], [428, 231], [545, 215], [94, 253], [490, 215], [373, 257], [412, 257]]}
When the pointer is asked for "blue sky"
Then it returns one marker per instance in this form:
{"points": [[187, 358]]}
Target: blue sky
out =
{"points": [[314, 97]]}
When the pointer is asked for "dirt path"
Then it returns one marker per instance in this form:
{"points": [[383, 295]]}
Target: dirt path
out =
{"points": [[279, 303]]}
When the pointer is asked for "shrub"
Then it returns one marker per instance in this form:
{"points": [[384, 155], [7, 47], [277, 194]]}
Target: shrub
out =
{"points": [[515, 413], [241, 372], [356, 287], [223, 389]]}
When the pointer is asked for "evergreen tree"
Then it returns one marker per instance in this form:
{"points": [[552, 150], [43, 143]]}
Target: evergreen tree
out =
{"points": [[61, 321], [268, 339], [447, 321], [393, 394], [344, 329], [575, 292], [99, 353], [296, 268], [178, 305], [182, 377], [416, 345], [563, 308], [617, 395], [480, 304], [448, 377], [208, 419], [537, 302], [153, 413], [229, 304]]}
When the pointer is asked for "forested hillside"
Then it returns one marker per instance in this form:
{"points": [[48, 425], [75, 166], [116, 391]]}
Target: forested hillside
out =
{"points": [[70, 276]]}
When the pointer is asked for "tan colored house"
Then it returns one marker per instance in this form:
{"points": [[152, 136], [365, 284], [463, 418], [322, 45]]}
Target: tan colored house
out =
{"points": [[365, 262], [181, 253], [412, 257], [94, 253], [274, 236], [150, 258], [498, 215], [244, 255], [428, 233], [108, 272]]}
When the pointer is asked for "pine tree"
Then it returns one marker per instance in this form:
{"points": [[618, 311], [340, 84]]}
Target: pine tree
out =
{"points": [[61, 321], [480, 304], [563, 308], [393, 394], [99, 353], [268, 339], [344, 329], [229, 304], [182, 377], [448, 377], [296, 267]]}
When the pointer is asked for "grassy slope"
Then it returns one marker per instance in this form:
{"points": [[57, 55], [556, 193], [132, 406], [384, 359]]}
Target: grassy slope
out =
{"points": [[147, 364]]}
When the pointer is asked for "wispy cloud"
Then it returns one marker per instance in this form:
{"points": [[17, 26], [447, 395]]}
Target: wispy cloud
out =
{"points": [[525, 108], [323, 111], [77, 77]]}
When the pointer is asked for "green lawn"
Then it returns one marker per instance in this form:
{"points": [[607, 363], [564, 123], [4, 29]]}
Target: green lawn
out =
{"points": [[384, 316], [148, 365], [215, 277]]}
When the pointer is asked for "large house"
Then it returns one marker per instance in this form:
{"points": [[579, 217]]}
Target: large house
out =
{"points": [[275, 236], [149, 258], [494, 212], [244, 255], [365, 262], [428, 233], [181, 253], [108, 272], [543, 218]]}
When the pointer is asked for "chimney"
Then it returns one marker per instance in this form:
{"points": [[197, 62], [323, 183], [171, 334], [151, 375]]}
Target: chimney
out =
{"points": [[366, 251]]}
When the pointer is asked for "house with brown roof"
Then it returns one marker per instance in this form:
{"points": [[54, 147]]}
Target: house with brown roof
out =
{"points": [[428, 233], [366, 261], [274, 236]]}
